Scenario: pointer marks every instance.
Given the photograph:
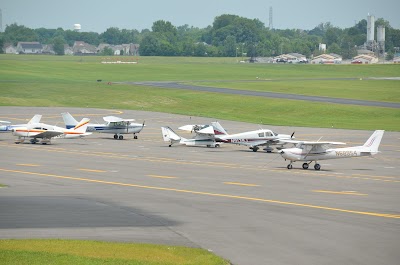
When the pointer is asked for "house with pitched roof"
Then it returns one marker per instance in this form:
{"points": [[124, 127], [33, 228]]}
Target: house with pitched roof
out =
{"points": [[83, 48], [29, 47], [8, 48]]}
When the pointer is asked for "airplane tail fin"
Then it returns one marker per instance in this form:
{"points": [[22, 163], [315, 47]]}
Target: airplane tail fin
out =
{"points": [[35, 119], [169, 135], [218, 129], [69, 121], [374, 141], [81, 127]]}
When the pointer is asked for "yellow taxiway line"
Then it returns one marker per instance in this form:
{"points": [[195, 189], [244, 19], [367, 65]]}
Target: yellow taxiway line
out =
{"points": [[28, 165], [92, 170], [241, 184], [341, 192], [162, 177], [384, 215]]}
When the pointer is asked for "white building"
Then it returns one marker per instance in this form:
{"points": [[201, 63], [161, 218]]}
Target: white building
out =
{"points": [[29, 47], [327, 59], [364, 59]]}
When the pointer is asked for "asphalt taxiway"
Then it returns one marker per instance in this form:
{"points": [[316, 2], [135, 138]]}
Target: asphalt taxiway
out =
{"points": [[245, 206]]}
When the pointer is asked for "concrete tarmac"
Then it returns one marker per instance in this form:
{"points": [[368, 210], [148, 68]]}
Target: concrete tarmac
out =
{"points": [[244, 206]]}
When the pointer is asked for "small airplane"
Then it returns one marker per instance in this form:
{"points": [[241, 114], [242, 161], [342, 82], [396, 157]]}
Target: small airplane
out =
{"points": [[204, 136], [252, 139], [3, 128], [46, 132], [8, 128], [314, 151], [113, 125]]}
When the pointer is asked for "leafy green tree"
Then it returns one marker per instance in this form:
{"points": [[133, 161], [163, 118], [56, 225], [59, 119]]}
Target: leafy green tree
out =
{"points": [[111, 36], [107, 51], [150, 45], [15, 33], [334, 48], [58, 45]]}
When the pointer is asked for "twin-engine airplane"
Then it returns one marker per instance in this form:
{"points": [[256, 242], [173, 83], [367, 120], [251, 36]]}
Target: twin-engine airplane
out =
{"points": [[253, 139], [213, 135], [314, 151], [46, 132], [113, 125], [204, 136]]}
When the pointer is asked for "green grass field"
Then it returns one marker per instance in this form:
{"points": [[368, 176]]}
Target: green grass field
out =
{"points": [[41, 251], [71, 81]]}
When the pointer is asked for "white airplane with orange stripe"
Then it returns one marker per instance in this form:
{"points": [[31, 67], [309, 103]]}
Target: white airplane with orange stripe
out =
{"points": [[46, 132]]}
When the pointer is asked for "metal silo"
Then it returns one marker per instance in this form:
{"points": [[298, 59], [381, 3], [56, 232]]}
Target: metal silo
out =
{"points": [[370, 28]]}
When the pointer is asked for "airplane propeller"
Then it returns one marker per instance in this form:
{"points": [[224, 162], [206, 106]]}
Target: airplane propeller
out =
{"points": [[291, 136]]}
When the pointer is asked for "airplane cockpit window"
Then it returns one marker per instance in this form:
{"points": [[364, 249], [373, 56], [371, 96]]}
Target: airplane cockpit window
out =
{"points": [[300, 145], [261, 134], [268, 133], [274, 134]]}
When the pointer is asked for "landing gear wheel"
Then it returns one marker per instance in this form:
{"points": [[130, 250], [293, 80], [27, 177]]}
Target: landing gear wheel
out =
{"points": [[305, 166], [217, 145], [121, 137], [135, 137], [317, 166], [33, 141], [255, 148], [289, 166], [170, 145], [115, 136]]}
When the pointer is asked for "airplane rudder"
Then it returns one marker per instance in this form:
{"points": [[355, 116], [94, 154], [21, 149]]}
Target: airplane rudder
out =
{"points": [[374, 141]]}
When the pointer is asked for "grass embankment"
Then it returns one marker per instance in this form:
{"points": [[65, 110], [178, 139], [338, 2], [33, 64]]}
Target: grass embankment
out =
{"points": [[41, 252], [71, 81]]}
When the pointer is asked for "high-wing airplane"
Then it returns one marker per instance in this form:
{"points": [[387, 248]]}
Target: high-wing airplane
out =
{"points": [[113, 125], [252, 139], [3, 128], [46, 132], [313, 151], [204, 136], [8, 128]]}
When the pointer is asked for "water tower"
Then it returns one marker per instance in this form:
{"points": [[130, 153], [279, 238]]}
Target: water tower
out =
{"points": [[77, 27]]}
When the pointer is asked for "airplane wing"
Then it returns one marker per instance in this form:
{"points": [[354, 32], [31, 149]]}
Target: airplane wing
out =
{"points": [[312, 142], [206, 130], [7, 122], [48, 134], [116, 119], [192, 127]]}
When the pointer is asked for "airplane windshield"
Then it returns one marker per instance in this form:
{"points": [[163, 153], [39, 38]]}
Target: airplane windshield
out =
{"points": [[274, 134]]}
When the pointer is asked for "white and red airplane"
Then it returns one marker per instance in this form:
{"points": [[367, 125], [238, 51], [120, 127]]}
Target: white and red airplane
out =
{"points": [[252, 139], [45, 132], [314, 151]]}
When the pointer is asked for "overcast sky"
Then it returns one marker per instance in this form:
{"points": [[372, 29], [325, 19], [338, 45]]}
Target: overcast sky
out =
{"points": [[98, 15]]}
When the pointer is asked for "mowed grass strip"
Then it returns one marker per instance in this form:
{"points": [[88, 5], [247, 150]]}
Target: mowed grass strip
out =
{"points": [[250, 109], [48, 251], [69, 81], [374, 90]]}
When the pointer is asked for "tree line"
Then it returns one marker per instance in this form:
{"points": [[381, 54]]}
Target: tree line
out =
{"points": [[228, 36]]}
